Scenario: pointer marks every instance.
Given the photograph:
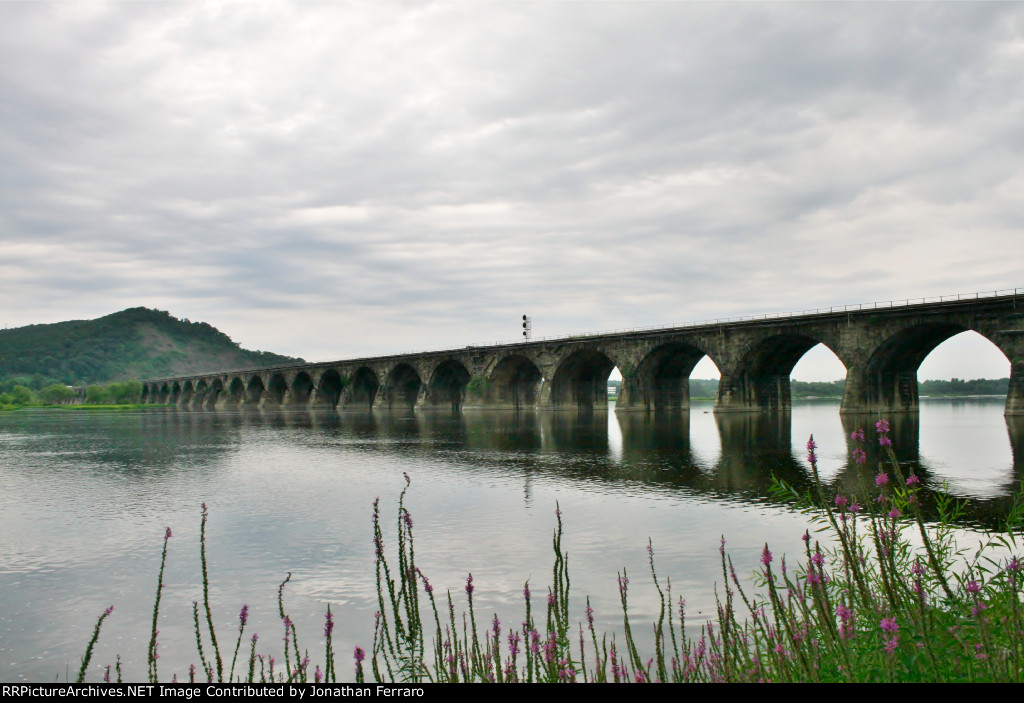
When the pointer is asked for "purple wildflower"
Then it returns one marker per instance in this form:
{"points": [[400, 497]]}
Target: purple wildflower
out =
{"points": [[550, 647], [766, 556], [882, 426], [894, 513], [167, 534], [889, 625], [891, 645], [243, 617], [858, 434], [513, 642], [913, 480], [882, 479], [846, 629], [469, 585], [359, 655], [973, 587], [328, 624], [841, 501], [859, 456]]}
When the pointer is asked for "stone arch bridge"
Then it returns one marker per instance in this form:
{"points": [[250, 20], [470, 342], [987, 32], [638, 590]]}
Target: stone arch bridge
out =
{"points": [[881, 346]]}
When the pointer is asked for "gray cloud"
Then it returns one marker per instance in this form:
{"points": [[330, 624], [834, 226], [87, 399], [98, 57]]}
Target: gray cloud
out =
{"points": [[333, 180]]}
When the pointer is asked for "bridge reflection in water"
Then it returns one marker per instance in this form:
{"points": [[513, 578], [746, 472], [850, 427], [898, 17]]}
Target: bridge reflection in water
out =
{"points": [[653, 451]]}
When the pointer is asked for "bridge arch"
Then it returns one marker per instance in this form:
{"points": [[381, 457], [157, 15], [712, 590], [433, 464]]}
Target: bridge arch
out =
{"points": [[515, 382], [581, 380], [403, 386], [187, 394], [254, 391], [163, 394], [199, 395], [362, 389], [276, 389], [760, 378], [214, 393], [328, 390], [447, 386], [662, 378], [301, 389], [175, 396], [887, 380], [236, 392]]}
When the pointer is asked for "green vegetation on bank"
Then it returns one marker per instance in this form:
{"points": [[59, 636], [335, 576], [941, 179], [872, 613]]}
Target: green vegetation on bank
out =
{"points": [[133, 343], [878, 595], [119, 394]]}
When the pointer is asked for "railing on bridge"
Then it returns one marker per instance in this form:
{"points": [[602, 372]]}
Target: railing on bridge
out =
{"points": [[904, 302]]}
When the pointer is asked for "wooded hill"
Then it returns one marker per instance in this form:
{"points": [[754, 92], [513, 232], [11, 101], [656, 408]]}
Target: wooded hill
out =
{"points": [[137, 343]]}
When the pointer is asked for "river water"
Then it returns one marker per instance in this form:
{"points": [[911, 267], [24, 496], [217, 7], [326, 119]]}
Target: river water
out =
{"points": [[85, 498]]}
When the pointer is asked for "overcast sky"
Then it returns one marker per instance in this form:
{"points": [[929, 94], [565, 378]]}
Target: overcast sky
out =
{"points": [[332, 180]]}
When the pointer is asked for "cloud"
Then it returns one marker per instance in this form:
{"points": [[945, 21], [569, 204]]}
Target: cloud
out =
{"points": [[376, 177]]}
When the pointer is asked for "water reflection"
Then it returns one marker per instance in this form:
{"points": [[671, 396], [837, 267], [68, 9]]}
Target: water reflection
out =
{"points": [[87, 496], [653, 450], [1015, 429]]}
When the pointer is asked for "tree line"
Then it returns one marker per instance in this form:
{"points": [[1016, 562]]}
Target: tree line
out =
{"points": [[116, 393], [708, 387]]}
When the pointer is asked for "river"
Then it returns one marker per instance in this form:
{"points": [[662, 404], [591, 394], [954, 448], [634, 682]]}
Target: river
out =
{"points": [[86, 498]]}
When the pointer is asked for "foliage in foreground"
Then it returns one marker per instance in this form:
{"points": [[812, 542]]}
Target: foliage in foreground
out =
{"points": [[886, 598]]}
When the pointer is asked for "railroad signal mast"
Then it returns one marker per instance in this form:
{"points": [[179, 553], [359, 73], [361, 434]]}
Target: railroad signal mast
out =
{"points": [[527, 328]]}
